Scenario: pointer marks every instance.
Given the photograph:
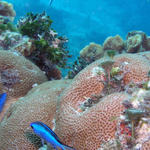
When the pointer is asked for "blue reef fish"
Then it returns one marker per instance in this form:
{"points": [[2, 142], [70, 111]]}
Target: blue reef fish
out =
{"points": [[46, 134], [2, 100]]}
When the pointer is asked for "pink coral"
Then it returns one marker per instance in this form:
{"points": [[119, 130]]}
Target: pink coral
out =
{"points": [[135, 67], [89, 128]]}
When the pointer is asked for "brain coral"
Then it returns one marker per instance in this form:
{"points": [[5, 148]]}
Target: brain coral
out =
{"points": [[87, 129], [87, 82], [17, 76], [84, 128], [134, 66], [38, 105]]}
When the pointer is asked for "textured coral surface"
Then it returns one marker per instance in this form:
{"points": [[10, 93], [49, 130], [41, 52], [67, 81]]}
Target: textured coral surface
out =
{"points": [[17, 76], [84, 128], [14, 41], [135, 67], [38, 105], [88, 129], [92, 51], [114, 43]]}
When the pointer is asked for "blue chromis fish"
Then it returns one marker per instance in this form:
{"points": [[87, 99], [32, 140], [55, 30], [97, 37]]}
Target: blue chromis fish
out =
{"points": [[3, 98], [46, 134]]}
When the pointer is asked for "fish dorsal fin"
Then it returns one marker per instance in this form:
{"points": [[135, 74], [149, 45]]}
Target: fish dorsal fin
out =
{"points": [[50, 130]]}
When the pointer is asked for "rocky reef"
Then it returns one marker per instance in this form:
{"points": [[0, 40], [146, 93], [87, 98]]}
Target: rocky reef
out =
{"points": [[136, 41]]}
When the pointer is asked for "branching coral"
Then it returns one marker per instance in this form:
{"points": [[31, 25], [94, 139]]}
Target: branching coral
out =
{"points": [[50, 49], [34, 25], [45, 39]]}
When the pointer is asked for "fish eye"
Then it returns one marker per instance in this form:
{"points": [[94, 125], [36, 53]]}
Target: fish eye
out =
{"points": [[31, 126]]}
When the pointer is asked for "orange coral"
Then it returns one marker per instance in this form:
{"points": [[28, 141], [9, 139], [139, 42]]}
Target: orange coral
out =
{"points": [[88, 130], [87, 83], [135, 67], [38, 105]]}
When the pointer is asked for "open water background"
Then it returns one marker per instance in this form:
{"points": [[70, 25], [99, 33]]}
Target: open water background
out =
{"points": [[85, 21]]}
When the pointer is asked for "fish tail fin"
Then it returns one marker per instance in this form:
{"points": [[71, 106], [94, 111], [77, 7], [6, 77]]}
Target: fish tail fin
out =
{"points": [[2, 100], [65, 147]]}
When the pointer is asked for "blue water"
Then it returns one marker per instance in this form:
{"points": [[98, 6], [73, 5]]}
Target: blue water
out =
{"points": [[91, 20]]}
